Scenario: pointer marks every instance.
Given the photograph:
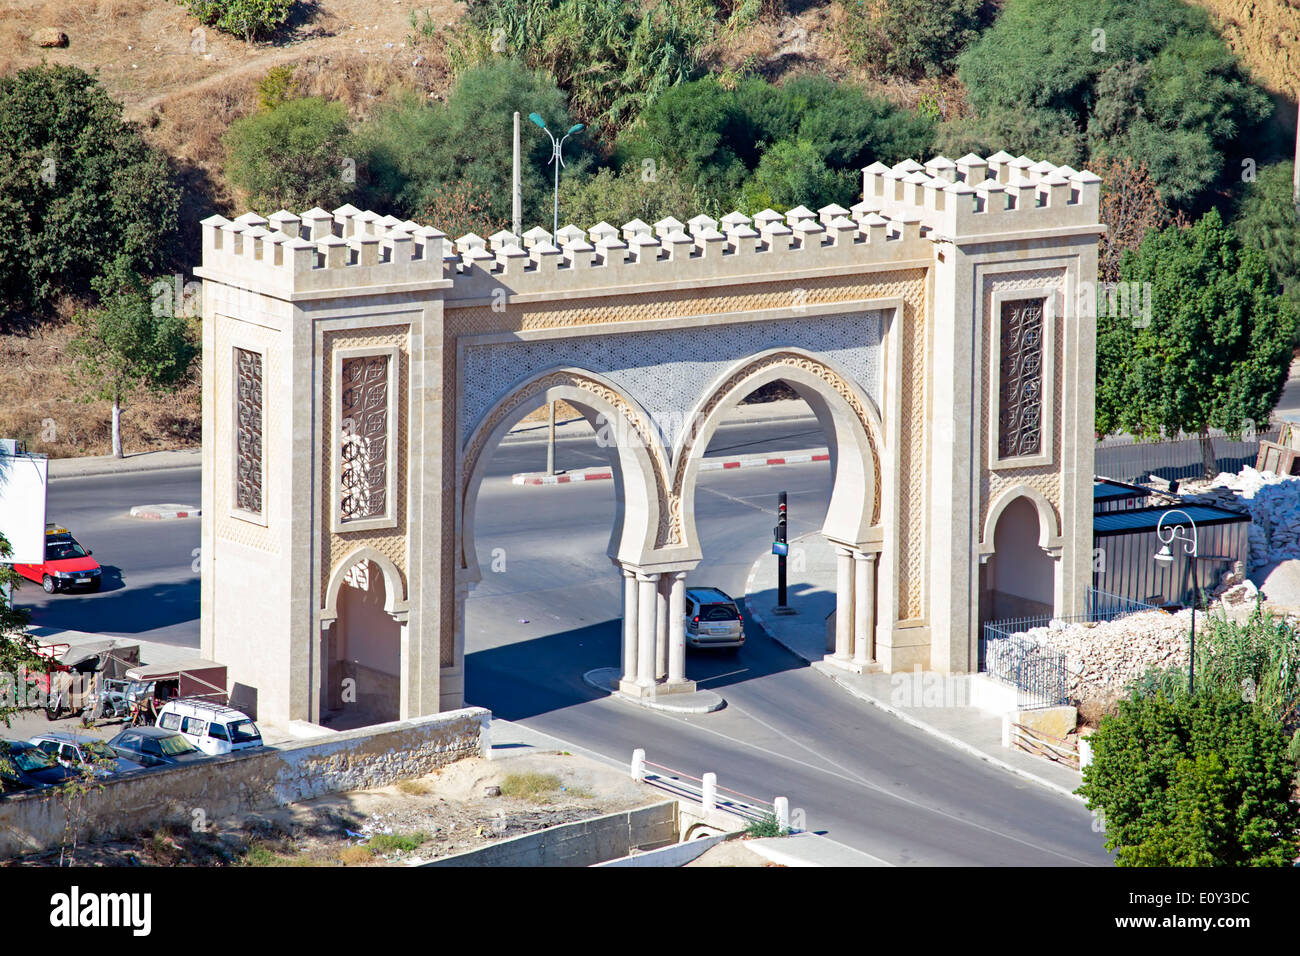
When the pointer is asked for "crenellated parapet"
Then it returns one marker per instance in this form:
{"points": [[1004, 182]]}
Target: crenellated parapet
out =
{"points": [[903, 209]]}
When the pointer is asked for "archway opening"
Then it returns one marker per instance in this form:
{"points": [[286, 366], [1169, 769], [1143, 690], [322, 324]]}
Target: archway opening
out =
{"points": [[362, 654], [1018, 580]]}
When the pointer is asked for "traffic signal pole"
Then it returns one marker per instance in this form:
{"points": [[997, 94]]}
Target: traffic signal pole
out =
{"points": [[779, 535]]}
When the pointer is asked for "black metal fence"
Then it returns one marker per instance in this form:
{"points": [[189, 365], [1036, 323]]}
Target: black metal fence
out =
{"points": [[1038, 671]]}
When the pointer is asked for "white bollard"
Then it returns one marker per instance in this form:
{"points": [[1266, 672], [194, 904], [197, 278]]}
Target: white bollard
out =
{"points": [[638, 764], [710, 799], [782, 807], [1006, 730]]}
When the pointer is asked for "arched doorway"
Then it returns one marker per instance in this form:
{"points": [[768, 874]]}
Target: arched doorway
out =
{"points": [[1019, 578], [361, 650]]}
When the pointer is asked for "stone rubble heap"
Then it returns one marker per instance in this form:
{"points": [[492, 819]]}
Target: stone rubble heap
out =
{"points": [[1272, 501], [1102, 658]]}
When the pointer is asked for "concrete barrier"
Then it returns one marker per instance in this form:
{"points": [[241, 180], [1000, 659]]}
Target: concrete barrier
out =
{"points": [[203, 793], [584, 843]]}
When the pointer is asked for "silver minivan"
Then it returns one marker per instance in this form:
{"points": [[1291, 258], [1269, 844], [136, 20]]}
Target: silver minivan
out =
{"points": [[713, 619], [213, 728]]}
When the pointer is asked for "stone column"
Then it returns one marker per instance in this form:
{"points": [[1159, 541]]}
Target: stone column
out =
{"points": [[864, 607], [630, 622], [677, 629], [647, 586], [661, 627], [843, 604]]}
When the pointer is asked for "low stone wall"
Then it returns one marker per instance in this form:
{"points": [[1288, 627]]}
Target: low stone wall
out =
{"points": [[584, 843], [205, 792]]}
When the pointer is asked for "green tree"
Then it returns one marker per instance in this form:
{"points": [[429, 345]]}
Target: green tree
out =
{"points": [[17, 648], [909, 37], [295, 155], [79, 188], [411, 148], [1147, 79], [648, 194], [791, 173], [134, 339], [251, 19], [1216, 348], [1203, 780], [1267, 220]]}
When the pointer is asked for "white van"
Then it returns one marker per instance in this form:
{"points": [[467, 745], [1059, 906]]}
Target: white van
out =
{"points": [[213, 728]]}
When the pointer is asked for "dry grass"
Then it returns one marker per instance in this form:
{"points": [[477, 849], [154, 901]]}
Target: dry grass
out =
{"points": [[39, 403]]}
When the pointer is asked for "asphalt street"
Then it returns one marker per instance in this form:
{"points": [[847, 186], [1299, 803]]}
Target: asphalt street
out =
{"points": [[551, 612]]}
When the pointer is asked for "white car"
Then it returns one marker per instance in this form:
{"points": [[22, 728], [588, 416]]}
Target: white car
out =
{"points": [[213, 728]]}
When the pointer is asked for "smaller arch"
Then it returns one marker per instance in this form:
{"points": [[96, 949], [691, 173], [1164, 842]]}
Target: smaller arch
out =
{"points": [[394, 584], [1049, 526]]}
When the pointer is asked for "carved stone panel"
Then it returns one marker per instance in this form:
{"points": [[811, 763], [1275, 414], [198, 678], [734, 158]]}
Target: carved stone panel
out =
{"points": [[1020, 397], [248, 431], [363, 415]]}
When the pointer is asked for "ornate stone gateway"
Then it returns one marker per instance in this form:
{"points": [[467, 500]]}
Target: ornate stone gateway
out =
{"points": [[357, 371]]}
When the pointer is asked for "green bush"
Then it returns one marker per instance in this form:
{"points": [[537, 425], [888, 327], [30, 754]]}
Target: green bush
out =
{"points": [[1193, 781], [612, 57], [251, 19], [79, 187], [1266, 220], [715, 137], [295, 155], [792, 173], [411, 148], [646, 193], [1147, 79], [909, 37]]}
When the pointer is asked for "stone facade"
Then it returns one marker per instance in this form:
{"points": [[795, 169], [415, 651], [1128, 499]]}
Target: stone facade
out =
{"points": [[886, 318]]}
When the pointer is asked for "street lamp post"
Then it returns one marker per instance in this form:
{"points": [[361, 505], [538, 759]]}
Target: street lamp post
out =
{"points": [[1167, 536], [557, 159]]}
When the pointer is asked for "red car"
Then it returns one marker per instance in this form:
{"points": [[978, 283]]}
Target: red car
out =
{"points": [[68, 566]]}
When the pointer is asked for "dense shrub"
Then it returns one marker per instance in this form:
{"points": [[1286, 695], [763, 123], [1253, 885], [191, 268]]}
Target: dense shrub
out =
{"points": [[715, 137], [646, 193], [909, 37], [612, 57], [79, 187], [1147, 79], [294, 156], [1267, 220], [250, 19], [410, 147], [1193, 781]]}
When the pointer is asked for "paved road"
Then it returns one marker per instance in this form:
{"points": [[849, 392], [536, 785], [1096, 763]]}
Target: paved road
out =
{"points": [[552, 613], [864, 778]]}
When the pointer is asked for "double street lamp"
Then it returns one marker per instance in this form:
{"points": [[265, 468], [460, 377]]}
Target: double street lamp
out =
{"points": [[557, 159], [1167, 536]]}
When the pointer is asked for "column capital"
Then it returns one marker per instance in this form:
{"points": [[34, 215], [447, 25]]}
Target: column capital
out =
{"points": [[648, 576], [865, 555]]}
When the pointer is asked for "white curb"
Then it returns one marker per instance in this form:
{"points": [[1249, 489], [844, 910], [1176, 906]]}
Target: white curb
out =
{"points": [[707, 464], [159, 512]]}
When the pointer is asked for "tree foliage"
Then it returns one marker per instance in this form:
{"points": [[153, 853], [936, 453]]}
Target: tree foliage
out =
{"points": [[647, 193], [1267, 220], [250, 19], [1130, 207], [79, 187], [17, 648], [715, 136], [411, 148], [1217, 348], [909, 37], [612, 57], [1146, 79], [1200, 780], [295, 155]]}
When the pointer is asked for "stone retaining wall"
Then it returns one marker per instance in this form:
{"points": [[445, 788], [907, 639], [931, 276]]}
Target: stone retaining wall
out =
{"points": [[206, 792]]}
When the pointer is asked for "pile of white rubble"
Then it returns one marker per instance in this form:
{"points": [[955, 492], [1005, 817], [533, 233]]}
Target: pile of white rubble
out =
{"points": [[1272, 501]]}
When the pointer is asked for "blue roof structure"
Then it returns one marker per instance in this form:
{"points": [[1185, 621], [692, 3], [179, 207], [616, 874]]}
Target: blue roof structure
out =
{"points": [[1145, 519]]}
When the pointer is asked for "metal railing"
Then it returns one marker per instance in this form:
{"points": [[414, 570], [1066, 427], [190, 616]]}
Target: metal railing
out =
{"points": [[1127, 460], [1038, 671]]}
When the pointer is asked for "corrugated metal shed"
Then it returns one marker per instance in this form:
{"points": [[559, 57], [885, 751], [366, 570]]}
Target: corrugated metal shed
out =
{"points": [[1110, 495]]}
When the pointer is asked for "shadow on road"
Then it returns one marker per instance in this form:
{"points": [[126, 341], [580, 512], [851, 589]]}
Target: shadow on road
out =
{"points": [[116, 609], [544, 674]]}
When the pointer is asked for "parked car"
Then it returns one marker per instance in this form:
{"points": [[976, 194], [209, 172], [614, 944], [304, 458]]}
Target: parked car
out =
{"points": [[24, 766], [713, 619], [67, 566], [73, 751], [155, 747], [213, 728]]}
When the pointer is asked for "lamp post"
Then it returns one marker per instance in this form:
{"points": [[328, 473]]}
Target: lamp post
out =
{"points": [[1167, 536], [556, 146]]}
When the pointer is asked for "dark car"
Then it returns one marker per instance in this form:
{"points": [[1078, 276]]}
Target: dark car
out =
{"points": [[155, 747], [88, 752], [27, 767]]}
